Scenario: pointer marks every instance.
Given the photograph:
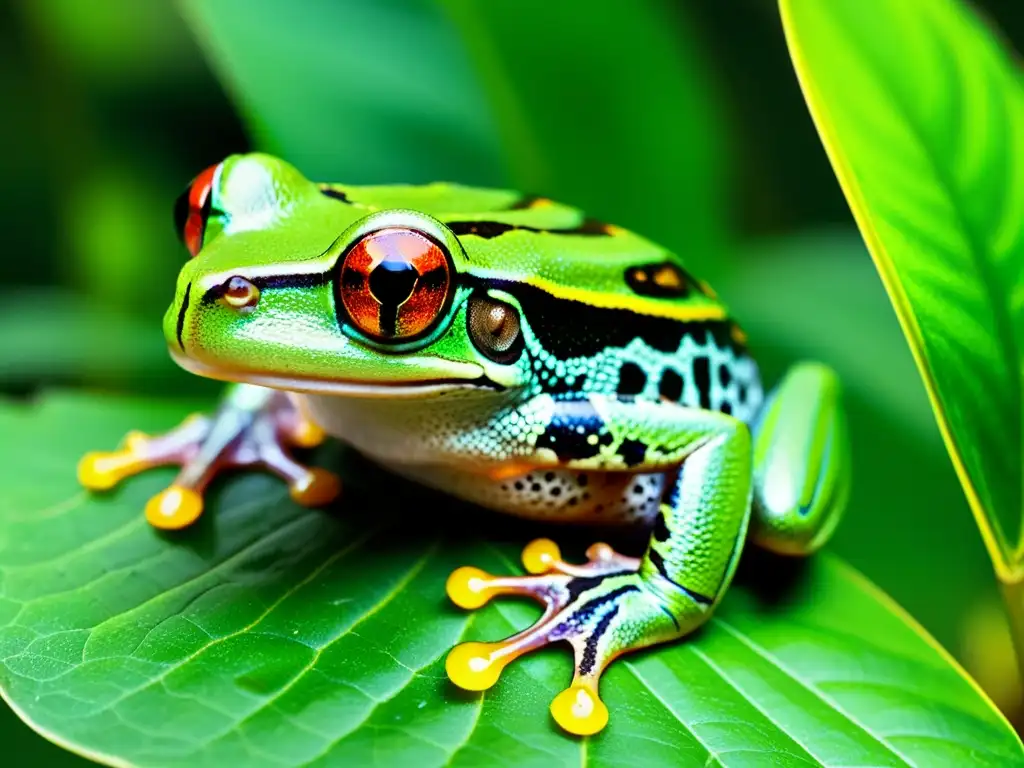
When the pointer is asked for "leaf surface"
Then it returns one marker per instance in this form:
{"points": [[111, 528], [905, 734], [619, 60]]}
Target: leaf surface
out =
{"points": [[816, 296], [271, 635], [922, 114]]}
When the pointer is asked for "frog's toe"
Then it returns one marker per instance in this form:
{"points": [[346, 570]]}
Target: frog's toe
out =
{"points": [[302, 432], [102, 470], [174, 508], [315, 487], [250, 429], [579, 710], [601, 608]]}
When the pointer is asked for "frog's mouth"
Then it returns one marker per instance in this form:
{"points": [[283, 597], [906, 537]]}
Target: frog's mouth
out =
{"points": [[340, 387]]}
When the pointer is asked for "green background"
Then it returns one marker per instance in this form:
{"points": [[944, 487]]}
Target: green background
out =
{"points": [[111, 107]]}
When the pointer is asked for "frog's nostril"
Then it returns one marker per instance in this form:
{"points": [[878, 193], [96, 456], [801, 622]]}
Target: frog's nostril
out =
{"points": [[239, 293]]}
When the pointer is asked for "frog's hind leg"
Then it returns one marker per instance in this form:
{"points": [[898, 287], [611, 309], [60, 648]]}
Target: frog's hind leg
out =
{"points": [[801, 462], [615, 604], [253, 426]]}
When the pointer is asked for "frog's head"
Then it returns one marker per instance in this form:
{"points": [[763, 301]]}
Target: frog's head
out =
{"points": [[288, 289]]}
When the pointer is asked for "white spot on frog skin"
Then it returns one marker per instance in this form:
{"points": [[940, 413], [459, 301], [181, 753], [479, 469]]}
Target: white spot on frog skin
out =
{"points": [[781, 487], [250, 188], [318, 338]]}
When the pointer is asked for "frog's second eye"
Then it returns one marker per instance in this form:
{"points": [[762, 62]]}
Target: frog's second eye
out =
{"points": [[394, 284], [192, 209], [495, 329]]}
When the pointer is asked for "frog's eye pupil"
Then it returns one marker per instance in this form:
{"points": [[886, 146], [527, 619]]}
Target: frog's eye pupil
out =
{"points": [[394, 284], [192, 209], [495, 328]]}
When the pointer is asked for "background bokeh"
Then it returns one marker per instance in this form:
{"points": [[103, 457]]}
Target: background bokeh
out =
{"points": [[111, 107]]}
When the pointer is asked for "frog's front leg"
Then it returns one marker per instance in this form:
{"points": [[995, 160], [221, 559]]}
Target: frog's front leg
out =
{"points": [[253, 426], [801, 462], [614, 604]]}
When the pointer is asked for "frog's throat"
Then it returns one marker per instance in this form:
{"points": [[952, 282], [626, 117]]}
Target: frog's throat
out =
{"points": [[380, 389]]}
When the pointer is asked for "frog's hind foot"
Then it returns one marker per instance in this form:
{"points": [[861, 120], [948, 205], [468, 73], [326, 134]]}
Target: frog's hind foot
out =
{"points": [[253, 427], [601, 608]]}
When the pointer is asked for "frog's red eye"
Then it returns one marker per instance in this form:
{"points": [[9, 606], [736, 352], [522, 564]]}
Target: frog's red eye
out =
{"points": [[192, 209], [394, 284]]}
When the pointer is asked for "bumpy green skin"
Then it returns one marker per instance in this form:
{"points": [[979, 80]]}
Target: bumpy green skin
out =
{"points": [[630, 369]]}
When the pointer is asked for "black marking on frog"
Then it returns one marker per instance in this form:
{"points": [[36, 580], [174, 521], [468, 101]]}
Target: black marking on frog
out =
{"points": [[702, 380], [272, 282], [659, 562], [724, 375], [580, 584], [576, 431], [632, 451], [671, 385], [661, 531], [335, 194], [590, 649], [492, 229], [598, 328], [589, 608], [661, 280], [632, 379], [181, 317]]}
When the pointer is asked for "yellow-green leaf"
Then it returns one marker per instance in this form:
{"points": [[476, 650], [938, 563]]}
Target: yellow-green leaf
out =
{"points": [[921, 110]]}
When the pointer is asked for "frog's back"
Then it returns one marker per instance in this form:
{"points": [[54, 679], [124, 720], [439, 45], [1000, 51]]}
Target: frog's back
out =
{"points": [[612, 311]]}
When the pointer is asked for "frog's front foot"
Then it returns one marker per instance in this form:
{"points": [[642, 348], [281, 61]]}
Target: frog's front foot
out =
{"points": [[253, 427], [602, 608]]}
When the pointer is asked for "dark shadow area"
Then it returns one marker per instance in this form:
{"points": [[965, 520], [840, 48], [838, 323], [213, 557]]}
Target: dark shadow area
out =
{"points": [[418, 512]]}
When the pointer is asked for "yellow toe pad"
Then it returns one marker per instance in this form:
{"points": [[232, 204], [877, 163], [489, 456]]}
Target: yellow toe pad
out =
{"points": [[473, 666], [579, 710], [467, 587], [319, 487], [174, 508], [101, 471], [540, 556]]}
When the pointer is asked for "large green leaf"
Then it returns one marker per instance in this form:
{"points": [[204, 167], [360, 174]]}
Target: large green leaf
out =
{"points": [[816, 295], [922, 114], [279, 636], [362, 91], [609, 106]]}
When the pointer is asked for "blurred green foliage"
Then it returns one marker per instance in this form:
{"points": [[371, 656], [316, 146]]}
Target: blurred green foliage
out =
{"points": [[111, 107]]}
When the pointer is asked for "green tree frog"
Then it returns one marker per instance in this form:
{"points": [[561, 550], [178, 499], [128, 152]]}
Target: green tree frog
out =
{"points": [[512, 352]]}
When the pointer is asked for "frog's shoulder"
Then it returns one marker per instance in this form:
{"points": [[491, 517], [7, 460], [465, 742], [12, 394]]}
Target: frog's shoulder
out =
{"points": [[516, 239]]}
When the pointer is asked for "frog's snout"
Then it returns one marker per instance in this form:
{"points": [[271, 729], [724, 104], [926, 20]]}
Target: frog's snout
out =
{"points": [[175, 318], [236, 293]]}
